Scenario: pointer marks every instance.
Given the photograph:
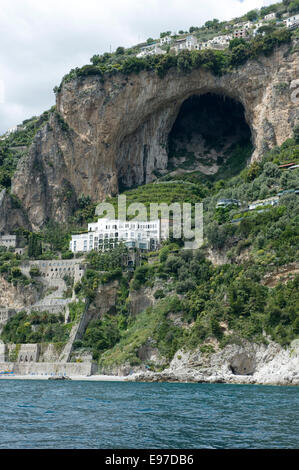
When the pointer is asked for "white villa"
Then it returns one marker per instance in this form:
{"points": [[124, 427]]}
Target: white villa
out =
{"points": [[166, 40], [106, 233], [9, 241], [272, 201], [152, 49], [189, 42], [292, 21], [269, 17], [218, 42]]}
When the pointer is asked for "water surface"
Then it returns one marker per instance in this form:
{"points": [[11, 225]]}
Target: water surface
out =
{"points": [[114, 415]]}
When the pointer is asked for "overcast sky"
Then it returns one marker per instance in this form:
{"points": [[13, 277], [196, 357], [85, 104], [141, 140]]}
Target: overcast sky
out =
{"points": [[41, 40]]}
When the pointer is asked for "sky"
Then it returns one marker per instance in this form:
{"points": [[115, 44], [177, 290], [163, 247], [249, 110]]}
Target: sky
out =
{"points": [[41, 40]]}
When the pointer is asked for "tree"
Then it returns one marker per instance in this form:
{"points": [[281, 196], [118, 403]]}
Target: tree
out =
{"points": [[267, 28], [149, 40], [296, 134], [236, 42], [120, 51], [294, 6], [208, 24], [35, 246], [240, 54], [184, 62], [252, 15]]}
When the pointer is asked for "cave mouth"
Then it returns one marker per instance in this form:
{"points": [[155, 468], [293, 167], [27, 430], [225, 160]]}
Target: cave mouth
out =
{"points": [[211, 136]]}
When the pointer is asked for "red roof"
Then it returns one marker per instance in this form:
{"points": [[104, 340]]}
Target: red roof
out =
{"points": [[286, 164]]}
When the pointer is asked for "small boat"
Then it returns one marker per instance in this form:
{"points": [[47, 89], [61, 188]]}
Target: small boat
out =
{"points": [[59, 377]]}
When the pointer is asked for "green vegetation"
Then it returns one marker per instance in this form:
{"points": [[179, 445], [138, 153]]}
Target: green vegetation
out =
{"points": [[37, 327], [102, 268], [10, 270], [15, 146], [76, 310], [212, 300], [101, 334], [218, 62], [150, 324], [172, 192]]}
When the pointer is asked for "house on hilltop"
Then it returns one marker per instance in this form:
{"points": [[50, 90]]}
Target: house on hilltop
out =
{"points": [[292, 21], [166, 40], [152, 49], [188, 43], [218, 42], [270, 16]]}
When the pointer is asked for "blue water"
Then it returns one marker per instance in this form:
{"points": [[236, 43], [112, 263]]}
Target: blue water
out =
{"points": [[101, 415]]}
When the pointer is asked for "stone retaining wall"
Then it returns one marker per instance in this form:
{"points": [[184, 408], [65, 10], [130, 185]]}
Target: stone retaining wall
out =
{"points": [[50, 368], [56, 269]]}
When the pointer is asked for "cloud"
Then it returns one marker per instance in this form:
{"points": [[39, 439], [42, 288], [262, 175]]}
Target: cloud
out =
{"points": [[40, 41]]}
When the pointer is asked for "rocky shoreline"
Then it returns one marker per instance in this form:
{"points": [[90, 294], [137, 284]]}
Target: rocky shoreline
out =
{"points": [[246, 363]]}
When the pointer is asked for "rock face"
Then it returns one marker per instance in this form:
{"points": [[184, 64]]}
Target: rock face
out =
{"points": [[114, 132], [12, 215], [17, 297], [243, 363], [140, 300]]}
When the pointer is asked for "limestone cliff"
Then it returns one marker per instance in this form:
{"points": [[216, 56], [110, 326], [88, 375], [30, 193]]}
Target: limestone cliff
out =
{"points": [[114, 132], [246, 363], [18, 297], [12, 214]]}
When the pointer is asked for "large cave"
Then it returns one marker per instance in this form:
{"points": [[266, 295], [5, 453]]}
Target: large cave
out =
{"points": [[210, 135]]}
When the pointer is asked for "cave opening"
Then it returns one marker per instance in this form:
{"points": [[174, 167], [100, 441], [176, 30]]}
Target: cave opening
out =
{"points": [[211, 136]]}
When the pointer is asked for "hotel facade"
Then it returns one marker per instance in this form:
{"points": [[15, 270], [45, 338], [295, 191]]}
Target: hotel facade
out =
{"points": [[105, 234]]}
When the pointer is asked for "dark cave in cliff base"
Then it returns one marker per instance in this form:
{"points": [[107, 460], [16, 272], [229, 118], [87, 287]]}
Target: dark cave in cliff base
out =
{"points": [[210, 135]]}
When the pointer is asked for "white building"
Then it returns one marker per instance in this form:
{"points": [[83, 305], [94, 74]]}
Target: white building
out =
{"points": [[257, 26], [8, 241], [189, 42], [166, 40], [269, 17], [218, 42], [150, 50], [239, 25], [272, 201], [248, 25], [107, 233], [292, 21]]}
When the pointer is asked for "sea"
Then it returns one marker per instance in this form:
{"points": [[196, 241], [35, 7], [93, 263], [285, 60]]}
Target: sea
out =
{"points": [[122, 415]]}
